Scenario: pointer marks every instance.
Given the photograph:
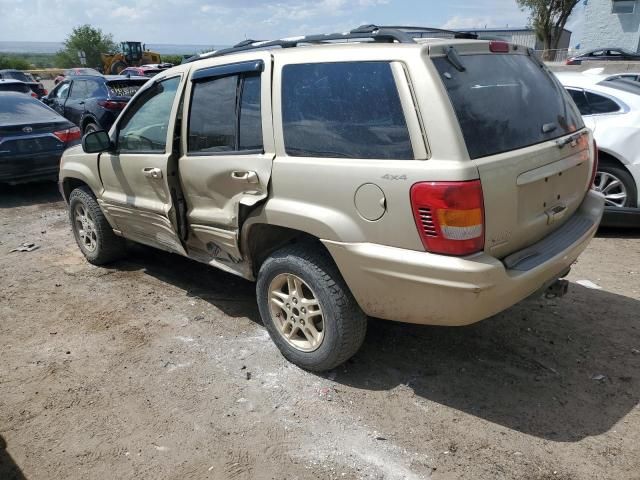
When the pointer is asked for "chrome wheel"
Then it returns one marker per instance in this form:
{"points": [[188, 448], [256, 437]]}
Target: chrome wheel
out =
{"points": [[613, 189], [296, 312], [85, 228]]}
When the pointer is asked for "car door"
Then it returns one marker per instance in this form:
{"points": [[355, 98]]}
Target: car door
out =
{"points": [[58, 96], [136, 175], [74, 106], [228, 151]]}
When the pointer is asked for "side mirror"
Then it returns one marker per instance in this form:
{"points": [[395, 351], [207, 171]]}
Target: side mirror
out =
{"points": [[96, 142]]}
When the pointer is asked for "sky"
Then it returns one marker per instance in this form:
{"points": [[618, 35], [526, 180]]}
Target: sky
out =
{"points": [[224, 22]]}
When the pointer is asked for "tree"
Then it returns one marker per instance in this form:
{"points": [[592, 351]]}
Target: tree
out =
{"points": [[88, 39], [12, 62], [548, 18]]}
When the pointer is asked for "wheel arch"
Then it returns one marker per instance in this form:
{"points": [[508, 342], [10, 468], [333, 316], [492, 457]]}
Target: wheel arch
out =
{"points": [[69, 184]]}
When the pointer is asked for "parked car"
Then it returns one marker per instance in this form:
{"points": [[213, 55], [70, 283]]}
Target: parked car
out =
{"points": [[16, 86], [92, 102], [611, 108], [604, 55], [32, 139], [434, 181], [143, 71], [74, 72], [25, 77]]}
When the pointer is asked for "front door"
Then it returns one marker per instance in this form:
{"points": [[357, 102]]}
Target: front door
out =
{"points": [[136, 176], [228, 151], [58, 97]]}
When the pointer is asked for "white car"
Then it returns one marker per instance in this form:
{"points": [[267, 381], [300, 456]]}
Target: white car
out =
{"points": [[611, 108]]}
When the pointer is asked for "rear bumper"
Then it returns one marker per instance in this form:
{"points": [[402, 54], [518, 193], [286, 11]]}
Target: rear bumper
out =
{"points": [[424, 288], [19, 169]]}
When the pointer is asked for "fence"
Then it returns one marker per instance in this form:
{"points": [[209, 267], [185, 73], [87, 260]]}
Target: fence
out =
{"points": [[555, 56]]}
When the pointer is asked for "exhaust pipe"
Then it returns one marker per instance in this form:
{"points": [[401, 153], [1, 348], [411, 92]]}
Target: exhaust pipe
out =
{"points": [[557, 289]]}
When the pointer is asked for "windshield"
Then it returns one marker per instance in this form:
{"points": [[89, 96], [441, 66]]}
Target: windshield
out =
{"points": [[506, 102], [17, 76]]}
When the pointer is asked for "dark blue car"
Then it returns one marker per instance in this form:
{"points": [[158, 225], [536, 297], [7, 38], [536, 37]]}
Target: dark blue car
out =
{"points": [[32, 139], [93, 102]]}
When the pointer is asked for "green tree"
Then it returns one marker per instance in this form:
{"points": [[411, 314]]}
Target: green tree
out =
{"points": [[11, 62], [548, 18], [88, 39]]}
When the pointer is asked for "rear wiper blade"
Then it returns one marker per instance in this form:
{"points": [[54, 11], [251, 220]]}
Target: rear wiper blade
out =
{"points": [[570, 139], [454, 59]]}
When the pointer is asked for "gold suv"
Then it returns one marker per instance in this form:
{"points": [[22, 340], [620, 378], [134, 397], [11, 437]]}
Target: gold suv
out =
{"points": [[386, 172]]}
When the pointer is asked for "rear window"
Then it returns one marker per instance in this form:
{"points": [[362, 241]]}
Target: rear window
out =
{"points": [[16, 108], [17, 76], [124, 88], [345, 109], [506, 102], [14, 87]]}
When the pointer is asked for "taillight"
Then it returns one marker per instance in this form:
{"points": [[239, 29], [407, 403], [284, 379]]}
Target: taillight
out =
{"points": [[497, 46], [34, 95], [44, 92], [595, 164], [449, 216], [68, 135], [112, 105]]}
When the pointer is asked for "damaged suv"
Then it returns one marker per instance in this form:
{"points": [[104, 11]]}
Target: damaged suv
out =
{"points": [[427, 180]]}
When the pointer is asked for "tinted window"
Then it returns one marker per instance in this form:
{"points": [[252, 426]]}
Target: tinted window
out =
{"points": [[600, 104], [94, 89], [16, 76], [214, 125], [506, 102], [250, 118], [14, 87], [144, 128], [580, 101], [124, 88], [345, 109], [78, 89]]}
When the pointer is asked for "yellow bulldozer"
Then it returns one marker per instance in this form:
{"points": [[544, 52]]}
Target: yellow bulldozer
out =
{"points": [[131, 54]]}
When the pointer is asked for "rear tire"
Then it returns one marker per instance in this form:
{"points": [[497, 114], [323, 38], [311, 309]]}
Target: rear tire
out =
{"points": [[91, 230], [90, 127], [608, 173], [337, 319]]}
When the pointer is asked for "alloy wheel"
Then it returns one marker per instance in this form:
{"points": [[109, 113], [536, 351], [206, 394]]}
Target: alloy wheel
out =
{"points": [[85, 227], [613, 189]]}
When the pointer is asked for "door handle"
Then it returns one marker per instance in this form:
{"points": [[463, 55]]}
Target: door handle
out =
{"points": [[245, 176], [152, 172]]}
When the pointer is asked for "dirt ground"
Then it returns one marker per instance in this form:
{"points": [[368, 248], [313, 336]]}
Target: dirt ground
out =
{"points": [[159, 367]]}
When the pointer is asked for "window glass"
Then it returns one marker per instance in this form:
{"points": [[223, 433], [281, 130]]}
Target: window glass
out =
{"points": [[346, 109], [580, 101], [623, 6], [62, 91], [599, 53], [144, 128], [506, 102], [212, 121], [78, 90], [250, 118], [94, 88], [600, 104]]}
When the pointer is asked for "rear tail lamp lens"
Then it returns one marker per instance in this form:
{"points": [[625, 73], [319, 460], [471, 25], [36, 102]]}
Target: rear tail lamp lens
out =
{"points": [[68, 135], [112, 105], [449, 216]]}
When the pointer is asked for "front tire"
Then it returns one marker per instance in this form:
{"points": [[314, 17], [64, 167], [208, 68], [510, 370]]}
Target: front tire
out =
{"points": [[91, 230], [308, 309]]}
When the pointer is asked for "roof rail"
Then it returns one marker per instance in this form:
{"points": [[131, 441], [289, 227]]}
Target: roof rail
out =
{"points": [[374, 33]]}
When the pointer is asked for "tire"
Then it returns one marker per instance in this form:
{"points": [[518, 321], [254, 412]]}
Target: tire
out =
{"points": [[104, 246], [117, 67], [608, 170], [344, 324], [90, 127]]}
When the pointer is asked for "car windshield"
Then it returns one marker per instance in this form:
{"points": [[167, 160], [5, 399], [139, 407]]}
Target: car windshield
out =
{"points": [[17, 76], [506, 102]]}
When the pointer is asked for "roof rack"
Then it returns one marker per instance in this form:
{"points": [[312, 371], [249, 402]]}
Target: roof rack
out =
{"points": [[399, 34]]}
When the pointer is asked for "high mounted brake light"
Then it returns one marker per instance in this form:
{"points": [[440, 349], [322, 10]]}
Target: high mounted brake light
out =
{"points": [[449, 216], [497, 46]]}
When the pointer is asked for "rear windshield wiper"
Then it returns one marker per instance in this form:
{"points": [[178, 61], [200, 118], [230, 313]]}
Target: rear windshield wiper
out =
{"points": [[454, 59]]}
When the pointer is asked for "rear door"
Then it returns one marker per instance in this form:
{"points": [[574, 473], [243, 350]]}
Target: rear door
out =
{"points": [[517, 121], [136, 177], [74, 106], [228, 151]]}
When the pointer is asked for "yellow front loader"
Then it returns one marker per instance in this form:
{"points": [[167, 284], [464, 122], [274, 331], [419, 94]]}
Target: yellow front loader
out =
{"points": [[131, 54]]}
